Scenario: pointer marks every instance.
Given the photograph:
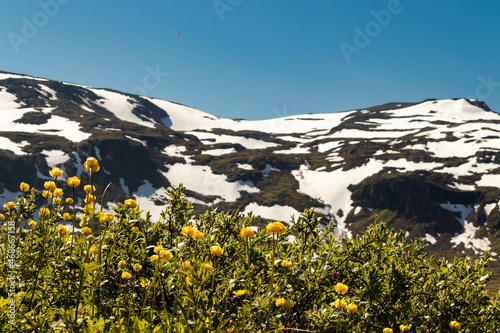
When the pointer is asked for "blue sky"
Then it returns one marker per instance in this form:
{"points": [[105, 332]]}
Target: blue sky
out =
{"points": [[259, 59]]}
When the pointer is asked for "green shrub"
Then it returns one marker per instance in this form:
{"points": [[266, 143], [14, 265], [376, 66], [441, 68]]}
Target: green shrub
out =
{"points": [[213, 274]]}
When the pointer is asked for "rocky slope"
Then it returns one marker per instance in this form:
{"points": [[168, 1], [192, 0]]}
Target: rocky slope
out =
{"points": [[430, 168]]}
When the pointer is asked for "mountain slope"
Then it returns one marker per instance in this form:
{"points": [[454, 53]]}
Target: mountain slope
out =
{"points": [[431, 168]]}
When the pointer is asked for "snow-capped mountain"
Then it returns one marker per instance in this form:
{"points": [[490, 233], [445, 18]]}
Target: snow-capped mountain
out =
{"points": [[430, 168]]}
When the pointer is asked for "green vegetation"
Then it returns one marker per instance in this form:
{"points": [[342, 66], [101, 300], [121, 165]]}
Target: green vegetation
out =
{"points": [[124, 272]]}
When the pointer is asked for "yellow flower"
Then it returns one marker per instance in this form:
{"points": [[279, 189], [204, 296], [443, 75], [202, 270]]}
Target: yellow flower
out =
{"points": [[341, 288], [198, 235], [246, 232], [387, 330], [67, 216], [455, 325], [144, 283], [105, 218], [280, 302], [126, 275], [122, 263], [157, 249], [286, 263], [154, 258], [32, 224], [50, 185], [2, 217], [240, 292], [137, 267], [165, 255], [351, 308], [58, 192], [216, 250], [131, 203], [135, 229], [91, 165], [208, 267], [89, 188], [340, 304], [9, 205], [89, 199], [61, 229], [24, 187], [189, 280], [275, 228], [56, 172], [46, 194], [88, 209], [188, 231], [73, 181], [94, 250], [404, 328], [44, 212], [86, 231], [69, 201], [56, 201], [82, 223], [186, 265]]}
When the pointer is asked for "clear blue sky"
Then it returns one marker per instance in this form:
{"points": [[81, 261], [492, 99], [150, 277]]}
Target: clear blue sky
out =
{"points": [[258, 59]]}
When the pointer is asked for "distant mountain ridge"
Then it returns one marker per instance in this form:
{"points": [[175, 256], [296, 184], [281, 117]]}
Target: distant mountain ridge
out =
{"points": [[430, 168]]}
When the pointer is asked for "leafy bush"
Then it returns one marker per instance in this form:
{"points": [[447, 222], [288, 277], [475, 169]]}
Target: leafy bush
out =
{"points": [[123, 272]]}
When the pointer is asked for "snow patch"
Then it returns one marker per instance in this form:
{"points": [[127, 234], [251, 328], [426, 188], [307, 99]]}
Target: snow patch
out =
{"points": [[16, 148], [55, 158], [276, 212]]}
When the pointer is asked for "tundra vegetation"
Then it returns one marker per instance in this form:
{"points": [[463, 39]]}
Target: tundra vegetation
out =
{"points": [[218, 272]]}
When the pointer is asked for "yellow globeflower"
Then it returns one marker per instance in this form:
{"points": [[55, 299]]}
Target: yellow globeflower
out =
{"points": [[2, 217], [165, 255], [94, 250], [135, 229], [340, 304], [341, 288], [157, 249], [188, 231], [86, 231], [275, 228], [61, 229], [47, 194], [58, 192], [91, 164], [105, 218], [198, 235], [131, 203], [240, 292], [351, 308], [404, 328], [44, 212], [9, 205], [455, 325], [387, 330], [144, 283], [122, 263], [50, 185], [69, 201], [286, 263], [73, 181], [208, 267], [126, 275], [89, 199], [280, 302], [55, 172], [88, 209], [137, 267], [56, 201], [216, 250], [186, 265], [89, 188], [246, 232], [24, 187], [154, 258], [32, 224]]}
